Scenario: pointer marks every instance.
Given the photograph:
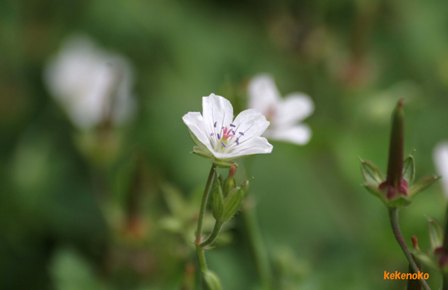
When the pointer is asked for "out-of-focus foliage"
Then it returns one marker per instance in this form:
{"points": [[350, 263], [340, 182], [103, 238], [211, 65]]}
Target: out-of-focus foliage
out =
{"points": [[90, 210]]}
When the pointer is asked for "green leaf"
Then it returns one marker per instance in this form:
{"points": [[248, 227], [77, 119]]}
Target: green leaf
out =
{"points": [[232, 203], [212, 280], [370, 173], [409, 169], [422, 184], [173, 197]]}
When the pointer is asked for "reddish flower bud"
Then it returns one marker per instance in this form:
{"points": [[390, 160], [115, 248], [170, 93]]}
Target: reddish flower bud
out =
{"points": [[395, 184]]}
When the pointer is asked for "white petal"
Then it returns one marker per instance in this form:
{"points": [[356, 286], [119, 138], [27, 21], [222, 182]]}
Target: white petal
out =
{"points": [[250, 123], [299, 134], [294, 108], [217, 112], [257, 145], [263, 93], [195, 124], [83, 78], [441, 161]]}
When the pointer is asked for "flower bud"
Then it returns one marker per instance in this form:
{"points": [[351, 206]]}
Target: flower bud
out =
{"points": [[229, 183], [212, 280], [442, 258], [232, 203], [395, 184], [217, 200], [414, 241]]}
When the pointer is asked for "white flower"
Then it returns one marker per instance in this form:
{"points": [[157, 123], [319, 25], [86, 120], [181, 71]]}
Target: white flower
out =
{"points": [[284, 114], [218, 135], [441, 161], [90, 84]]}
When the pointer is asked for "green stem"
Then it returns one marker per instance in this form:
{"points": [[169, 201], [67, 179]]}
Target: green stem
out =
{"points": [[213, 235], [199, 249], [256, 242], [445, 281], [393, 216], [445, 247]]}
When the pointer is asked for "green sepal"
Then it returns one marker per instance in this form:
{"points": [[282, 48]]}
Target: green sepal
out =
{"points": [[245, 185], [435, 234], [217, 200], [232, 203], [212, 280], [370, 173], [223, 163], [422, 184], [424, 258], [399, 201], [373, 189], [199, 151], [409, 169]]}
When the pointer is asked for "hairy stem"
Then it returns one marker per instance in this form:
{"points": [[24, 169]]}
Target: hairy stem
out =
{"points": [[199, 249], [256, 242], [213, 235], [393, 216]]}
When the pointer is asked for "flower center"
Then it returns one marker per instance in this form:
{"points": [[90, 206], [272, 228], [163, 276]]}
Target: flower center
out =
{"points": [[270, 113], [226, 137]]}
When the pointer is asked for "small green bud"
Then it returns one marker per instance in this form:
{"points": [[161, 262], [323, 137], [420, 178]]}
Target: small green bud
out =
{"points": [[217, 200], [212, 280], [232, 203], [229, 183]]}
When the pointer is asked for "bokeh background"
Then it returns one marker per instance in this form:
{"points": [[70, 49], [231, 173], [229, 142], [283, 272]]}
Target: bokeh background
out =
{"points": [[115, 210]]}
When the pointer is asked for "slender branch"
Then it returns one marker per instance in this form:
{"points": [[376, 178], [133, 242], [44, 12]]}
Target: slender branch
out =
{"points": [[444, 281], [445, 246], [205, 195], [213, 235], [199, 249], [393, 216], [256, 242]]}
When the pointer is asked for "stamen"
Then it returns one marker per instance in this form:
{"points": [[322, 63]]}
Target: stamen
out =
{"points": [[214, 124], [232, 125], [241, 133]]}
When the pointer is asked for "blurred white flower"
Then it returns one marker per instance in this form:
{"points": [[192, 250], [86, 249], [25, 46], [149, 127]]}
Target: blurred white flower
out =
{"points": [[219, 136], [91, 84], [441, 161], [284, 114]]}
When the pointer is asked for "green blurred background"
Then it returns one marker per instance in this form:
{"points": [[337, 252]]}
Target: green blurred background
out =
{"points": [[110, 214]]}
